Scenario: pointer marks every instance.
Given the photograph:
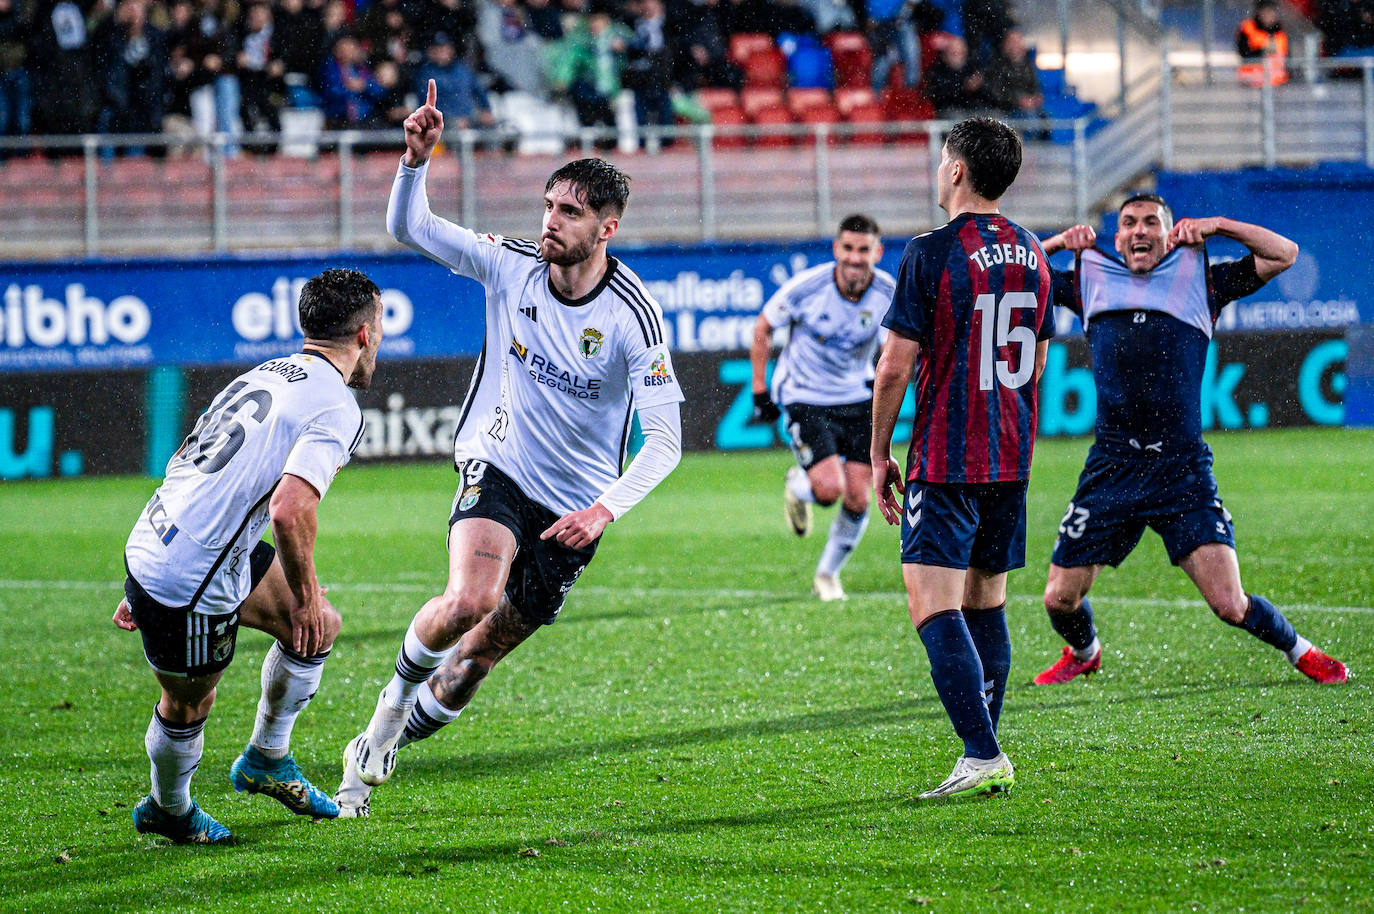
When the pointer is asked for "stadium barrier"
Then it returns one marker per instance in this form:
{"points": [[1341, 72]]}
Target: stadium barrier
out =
{"points": [[63, 424]]}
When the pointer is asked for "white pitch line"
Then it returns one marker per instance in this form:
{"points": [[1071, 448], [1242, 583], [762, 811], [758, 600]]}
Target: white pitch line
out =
{"points": [[720, 593]]}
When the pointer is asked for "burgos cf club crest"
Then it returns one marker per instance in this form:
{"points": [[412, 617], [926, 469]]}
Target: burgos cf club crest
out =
{"points": [[590, 344], [469, 498]]}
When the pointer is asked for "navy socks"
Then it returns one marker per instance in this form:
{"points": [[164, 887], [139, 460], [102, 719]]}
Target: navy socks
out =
{"points": [[1266, 623], [958, 676], [988, 629], [1076, 627]]}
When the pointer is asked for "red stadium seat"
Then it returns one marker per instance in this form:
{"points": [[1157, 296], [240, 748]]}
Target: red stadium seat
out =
{"points": [[870, 113], [729, 118], [747, 44], [852, 59], [800, 100], [903, 104], [821, 114], [754, 98], [766, 68], [848, 99], [712, 98], [773, 114]]}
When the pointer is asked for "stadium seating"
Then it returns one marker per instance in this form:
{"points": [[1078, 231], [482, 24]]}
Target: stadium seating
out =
{"points": [[755, 98], [799, 100], [771, 115], [867, 113], [729, 117], [851, 58], [746, 44], [846, 100]]}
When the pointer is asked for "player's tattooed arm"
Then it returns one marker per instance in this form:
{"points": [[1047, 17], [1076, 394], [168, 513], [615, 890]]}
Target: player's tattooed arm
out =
{"points": [[484, 554]]}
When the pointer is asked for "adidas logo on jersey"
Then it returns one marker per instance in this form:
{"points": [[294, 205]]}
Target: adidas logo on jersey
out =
{"points": [[531, 311]]}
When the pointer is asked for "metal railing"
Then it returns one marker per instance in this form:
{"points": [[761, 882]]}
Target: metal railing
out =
{"points": [[1324, 113], [153, 194]]}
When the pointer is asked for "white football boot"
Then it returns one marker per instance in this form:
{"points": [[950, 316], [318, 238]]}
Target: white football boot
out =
{"points": [[353, 797], [973, 777]]}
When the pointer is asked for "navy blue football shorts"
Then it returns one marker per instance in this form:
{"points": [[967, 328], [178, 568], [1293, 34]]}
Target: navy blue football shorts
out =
{"points": [[181, 642], [965, 525], [1118, 498], [543, 571], [817, 432]]}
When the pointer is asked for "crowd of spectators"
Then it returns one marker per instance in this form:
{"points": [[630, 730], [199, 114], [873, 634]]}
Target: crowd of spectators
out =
{"points": [[149, 66]]}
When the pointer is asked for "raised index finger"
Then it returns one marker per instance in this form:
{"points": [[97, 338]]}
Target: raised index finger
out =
{"points": [[431, 94]]}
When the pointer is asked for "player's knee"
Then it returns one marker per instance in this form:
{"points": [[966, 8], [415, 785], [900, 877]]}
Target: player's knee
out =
{"points": [[1059, 599], [460, 608], [332, 623], [826, 491], [856, 502], [181, 709], [1230, 607]]}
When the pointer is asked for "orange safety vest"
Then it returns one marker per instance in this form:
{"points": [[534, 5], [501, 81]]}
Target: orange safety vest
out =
{"points": [[1272, 67]]}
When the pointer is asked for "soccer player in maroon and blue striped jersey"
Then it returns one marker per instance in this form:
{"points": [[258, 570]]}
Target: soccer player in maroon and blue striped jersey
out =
{"points": [[972, 301]]}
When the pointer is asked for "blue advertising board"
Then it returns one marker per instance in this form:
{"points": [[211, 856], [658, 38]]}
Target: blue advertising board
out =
{"points": [[237, 310]]}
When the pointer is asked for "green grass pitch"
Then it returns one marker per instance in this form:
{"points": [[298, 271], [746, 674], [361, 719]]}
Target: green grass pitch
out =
{"points": [[698, 734]]}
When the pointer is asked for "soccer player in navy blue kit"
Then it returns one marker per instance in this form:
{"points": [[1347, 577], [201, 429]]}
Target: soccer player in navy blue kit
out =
{"points": [[972, 300], [1148, 316]]}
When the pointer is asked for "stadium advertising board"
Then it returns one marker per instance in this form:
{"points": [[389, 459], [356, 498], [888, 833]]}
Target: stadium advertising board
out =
{"points": [[125, 421], [237, 311]]}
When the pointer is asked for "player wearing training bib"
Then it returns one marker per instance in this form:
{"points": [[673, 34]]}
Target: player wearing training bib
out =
{"points": [[824, 380], [266, 451], [573, 351], [1148, 316], [972, 300]]}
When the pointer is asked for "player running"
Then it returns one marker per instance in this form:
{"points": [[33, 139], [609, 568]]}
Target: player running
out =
{"points": [[265, 451], [574, 349], [1148, 316], [972, 300], [824, 380]]}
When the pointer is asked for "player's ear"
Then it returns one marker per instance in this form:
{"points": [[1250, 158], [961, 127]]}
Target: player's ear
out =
{"points": [[609, 227], [877, 250]]}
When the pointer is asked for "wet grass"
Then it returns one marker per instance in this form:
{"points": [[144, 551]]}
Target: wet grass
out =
{"points": [[697, 734]]}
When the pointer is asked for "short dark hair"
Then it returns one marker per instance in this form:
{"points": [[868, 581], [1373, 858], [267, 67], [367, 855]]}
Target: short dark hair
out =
{"points": [[602, 185], [1145, 196], [336, 304], [992, 152], [858, 222]]}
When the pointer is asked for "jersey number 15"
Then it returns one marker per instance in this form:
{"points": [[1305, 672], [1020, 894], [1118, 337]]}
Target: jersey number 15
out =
{"points": [[996, 315]]}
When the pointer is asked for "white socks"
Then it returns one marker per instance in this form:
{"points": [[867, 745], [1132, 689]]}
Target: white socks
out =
{"points": [[289, 681], [1087, 652], [800, 486], [174, 750], [845, 532], [427, 717], [1300, 647], [414, 664]]}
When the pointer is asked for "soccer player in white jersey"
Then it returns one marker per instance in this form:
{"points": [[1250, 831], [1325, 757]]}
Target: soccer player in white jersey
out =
{"points": [[265, 452], [824, 380], [574, 348]]}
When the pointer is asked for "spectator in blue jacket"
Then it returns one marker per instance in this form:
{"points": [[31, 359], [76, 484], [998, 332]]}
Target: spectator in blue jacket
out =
{"points": [[350, 93], [459, 92]]}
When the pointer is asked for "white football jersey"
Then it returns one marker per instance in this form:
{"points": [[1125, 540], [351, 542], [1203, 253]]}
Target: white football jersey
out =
{"points": [[556, 386], [191, 544], [832, 341]]}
